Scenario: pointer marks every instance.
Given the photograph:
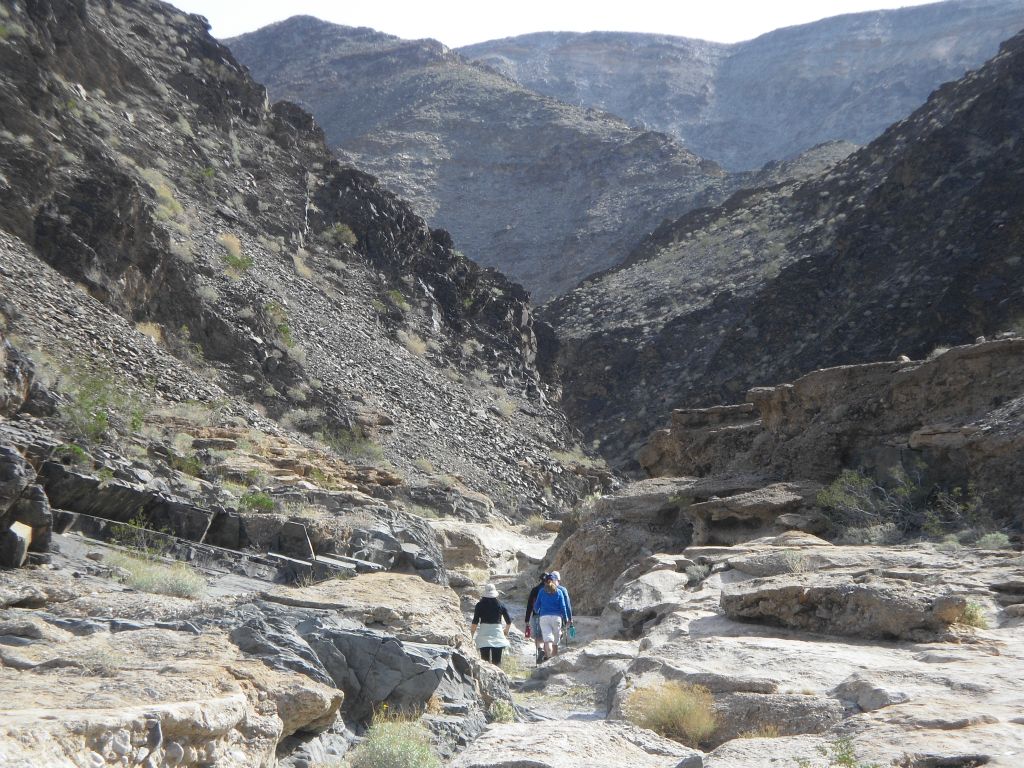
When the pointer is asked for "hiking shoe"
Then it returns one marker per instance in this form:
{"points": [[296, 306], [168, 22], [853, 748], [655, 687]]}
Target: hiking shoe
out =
{"points": [[541, 658]]}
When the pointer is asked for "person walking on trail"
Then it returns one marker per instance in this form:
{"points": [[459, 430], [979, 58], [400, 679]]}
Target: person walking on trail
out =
{"points": [[486, 630], [553, 611], [533, 619], [570, 631]]}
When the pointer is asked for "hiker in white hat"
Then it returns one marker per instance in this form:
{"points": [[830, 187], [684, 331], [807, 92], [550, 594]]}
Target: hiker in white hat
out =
{"points": [[487, 631]]}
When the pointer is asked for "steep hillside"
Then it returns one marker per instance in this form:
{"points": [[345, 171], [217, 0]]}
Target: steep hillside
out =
{"points": [[144, 177], [911, 243], [547, 192], [743, 105]]}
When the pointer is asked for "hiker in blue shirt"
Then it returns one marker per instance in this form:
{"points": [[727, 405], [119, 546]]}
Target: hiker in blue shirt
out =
{"points": [[553, 610], [568, 603], [533, 620]]}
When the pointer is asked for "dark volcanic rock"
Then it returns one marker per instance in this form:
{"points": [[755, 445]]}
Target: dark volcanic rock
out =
{"points": [[746, 104], [911, 243], [16, 381], [146, 181], [276, 642], [16, 474], [123, 502], [547, 192]]}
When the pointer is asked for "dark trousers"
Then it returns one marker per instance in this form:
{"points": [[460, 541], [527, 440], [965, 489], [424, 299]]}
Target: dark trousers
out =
{"points": [[492, 655]]}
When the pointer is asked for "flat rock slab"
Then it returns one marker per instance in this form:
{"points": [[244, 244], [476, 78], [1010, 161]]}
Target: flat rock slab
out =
{"points": [[768, 502], [405, 606], [574, 744], [835, 604], [486, 546], [767, 753]]}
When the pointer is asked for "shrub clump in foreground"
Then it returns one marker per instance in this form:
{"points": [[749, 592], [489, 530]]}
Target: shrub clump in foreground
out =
{"points": [[148, 575], [395, 744], [679, 711]]}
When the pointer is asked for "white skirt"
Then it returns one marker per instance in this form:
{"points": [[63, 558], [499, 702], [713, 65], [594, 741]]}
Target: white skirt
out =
{"points": [[490, 636]]}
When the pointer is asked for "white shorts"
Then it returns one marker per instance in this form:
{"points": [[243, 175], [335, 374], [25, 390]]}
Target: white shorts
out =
{"points": [[551, 628]]}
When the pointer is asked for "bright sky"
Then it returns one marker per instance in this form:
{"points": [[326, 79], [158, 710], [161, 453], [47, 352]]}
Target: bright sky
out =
{"points": [[461, 22]]}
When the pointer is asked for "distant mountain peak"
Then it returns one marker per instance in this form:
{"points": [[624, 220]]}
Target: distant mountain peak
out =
{"points": [[745, 104]]}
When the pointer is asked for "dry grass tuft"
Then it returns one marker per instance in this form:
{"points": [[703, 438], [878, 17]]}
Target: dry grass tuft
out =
{"points": [[679, 711], [413, 343], [974, 616], [395, 743], [233, 256], [148, 575]]}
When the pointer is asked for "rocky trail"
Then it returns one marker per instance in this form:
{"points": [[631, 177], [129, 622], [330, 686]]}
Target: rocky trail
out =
{"points": [[912, 654], [266, 437], [886, 649], [886, 653]]}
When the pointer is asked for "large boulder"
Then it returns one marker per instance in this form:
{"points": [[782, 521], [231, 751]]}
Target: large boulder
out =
{"points": [[33, 509], [16, 474], [156, 695], [14, 545], [645, 599], [23, 516], [274, 640], [495, 549], [750, 514], [374, 668], [645, 518], [835, 604], [402, 605]]}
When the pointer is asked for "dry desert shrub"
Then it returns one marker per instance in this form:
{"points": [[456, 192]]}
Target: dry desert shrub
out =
{"points": [[148, 575], [395, 743], [679, 711]]}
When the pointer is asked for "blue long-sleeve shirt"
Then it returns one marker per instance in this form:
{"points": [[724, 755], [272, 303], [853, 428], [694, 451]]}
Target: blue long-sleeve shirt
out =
{"points": [[568, 602], [551, 604], [532, 600]]}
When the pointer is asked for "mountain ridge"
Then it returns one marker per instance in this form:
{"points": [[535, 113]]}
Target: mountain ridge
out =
{"points": [[845, 77], [142, 163], [905, 246], [542, 190]]}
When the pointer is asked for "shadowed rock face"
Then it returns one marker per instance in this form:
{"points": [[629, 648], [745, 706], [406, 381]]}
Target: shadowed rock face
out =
{"points": [[145, 179], [910, 243], [545, 191], [746, 104]]}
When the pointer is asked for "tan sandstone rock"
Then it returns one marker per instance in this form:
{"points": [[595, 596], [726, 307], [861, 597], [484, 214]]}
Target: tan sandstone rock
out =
{"points": [[172, 697], [405, 606], [572, 744]]}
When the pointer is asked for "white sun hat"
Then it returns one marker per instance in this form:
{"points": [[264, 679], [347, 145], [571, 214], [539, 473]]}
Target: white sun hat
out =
{"points": [[489, 591]]}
